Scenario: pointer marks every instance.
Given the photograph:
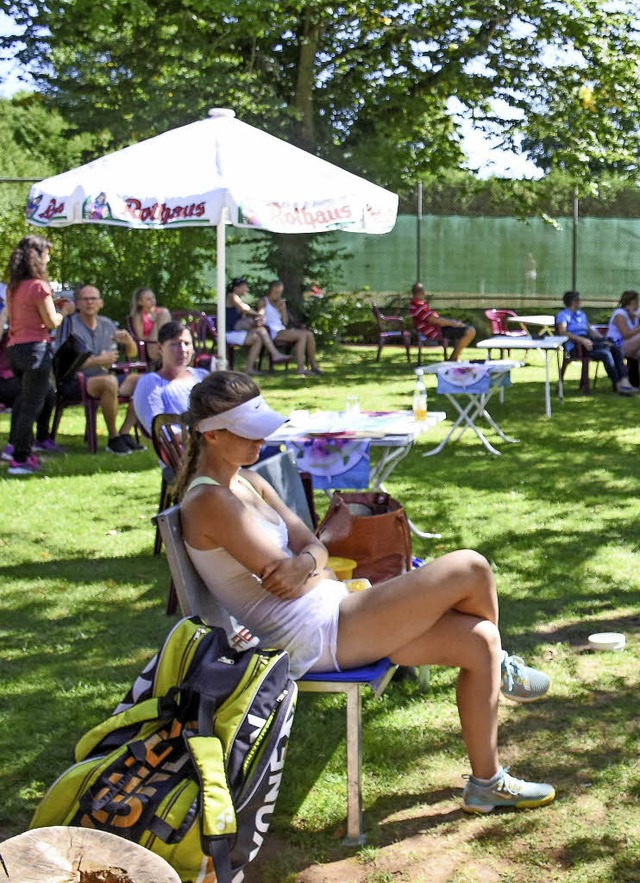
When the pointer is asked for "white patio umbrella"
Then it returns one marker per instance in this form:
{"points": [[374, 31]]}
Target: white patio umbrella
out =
{"points": [[210, 173]]}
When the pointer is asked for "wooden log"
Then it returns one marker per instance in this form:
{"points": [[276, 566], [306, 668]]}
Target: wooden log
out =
{"points": [[62, 854]]}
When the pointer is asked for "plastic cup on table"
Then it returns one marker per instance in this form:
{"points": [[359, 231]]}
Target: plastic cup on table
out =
{"points": [[342, 567], [352, 406]]}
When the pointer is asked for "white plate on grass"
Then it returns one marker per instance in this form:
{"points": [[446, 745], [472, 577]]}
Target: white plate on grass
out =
{"points": [[607, 641]]}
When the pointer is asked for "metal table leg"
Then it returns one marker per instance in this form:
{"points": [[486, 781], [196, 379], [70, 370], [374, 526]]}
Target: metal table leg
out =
{"points": [[467, 417]]}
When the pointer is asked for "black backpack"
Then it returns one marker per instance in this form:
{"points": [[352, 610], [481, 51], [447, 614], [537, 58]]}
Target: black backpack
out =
{"points": [[189, 764]]}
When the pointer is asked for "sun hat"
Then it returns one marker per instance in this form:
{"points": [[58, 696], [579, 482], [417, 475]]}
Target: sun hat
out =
{"points": [[253, 419]]}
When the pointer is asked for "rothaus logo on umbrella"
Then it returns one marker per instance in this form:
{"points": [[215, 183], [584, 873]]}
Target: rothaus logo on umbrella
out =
{"points": [[163, 213], [307, 216], [133, 210]]}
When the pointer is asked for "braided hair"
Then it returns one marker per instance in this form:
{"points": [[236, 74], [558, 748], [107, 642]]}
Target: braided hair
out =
{"points": [[219, 392]]}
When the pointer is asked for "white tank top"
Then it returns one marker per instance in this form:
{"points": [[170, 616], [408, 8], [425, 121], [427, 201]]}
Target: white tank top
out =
{"points": [[272, 318], [296, 625]]}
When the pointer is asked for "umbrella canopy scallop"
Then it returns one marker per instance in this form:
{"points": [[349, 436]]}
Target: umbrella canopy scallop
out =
{"points": [[190, 175]]}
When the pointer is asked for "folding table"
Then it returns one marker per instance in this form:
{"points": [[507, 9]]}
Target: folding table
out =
{"points": [[545, 344], [393, 433], [470, 386], [545, 322]]}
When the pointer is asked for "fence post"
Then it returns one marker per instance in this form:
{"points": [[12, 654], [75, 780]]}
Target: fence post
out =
{"points": [[419, 233], [574, 243]]}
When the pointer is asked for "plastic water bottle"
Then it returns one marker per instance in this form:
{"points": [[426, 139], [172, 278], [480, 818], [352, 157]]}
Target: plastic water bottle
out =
{"points": [[419, 399]]}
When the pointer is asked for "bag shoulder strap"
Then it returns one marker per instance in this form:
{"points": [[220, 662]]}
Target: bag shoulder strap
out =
{"points": [[150, 709], [65, 329]]}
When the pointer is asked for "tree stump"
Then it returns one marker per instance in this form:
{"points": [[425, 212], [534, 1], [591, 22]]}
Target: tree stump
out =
{"points": [[79, 855]]}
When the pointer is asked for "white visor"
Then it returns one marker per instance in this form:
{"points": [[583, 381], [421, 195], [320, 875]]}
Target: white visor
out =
{"points": [[253, 419]]}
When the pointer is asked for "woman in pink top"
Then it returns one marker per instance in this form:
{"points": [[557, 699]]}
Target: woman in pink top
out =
{"points": [[146, 319], [32, 315]]}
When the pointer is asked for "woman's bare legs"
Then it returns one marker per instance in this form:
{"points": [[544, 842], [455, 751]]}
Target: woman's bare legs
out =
{"points": [[265, 337], [254, 342], [472, 645], [445, 613], [631, 346], [298, 338], [305, 346]]}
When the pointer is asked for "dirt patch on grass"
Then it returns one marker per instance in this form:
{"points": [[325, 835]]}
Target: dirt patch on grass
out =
{"points": [[437, 847]]}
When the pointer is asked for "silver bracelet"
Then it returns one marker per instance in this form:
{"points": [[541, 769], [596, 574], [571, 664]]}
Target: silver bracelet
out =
{"points": [[314, 572]]}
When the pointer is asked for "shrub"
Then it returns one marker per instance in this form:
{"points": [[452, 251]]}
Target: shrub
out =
{"points": [[344, 317]]}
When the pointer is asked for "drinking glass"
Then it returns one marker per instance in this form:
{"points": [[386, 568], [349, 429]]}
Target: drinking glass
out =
{"points": [[352, 407]]}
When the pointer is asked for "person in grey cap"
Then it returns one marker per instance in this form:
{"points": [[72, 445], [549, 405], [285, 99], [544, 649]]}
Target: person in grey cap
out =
{"points": [[269, 571]]}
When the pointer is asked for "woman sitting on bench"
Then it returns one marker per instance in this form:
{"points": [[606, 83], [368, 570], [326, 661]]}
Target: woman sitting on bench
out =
{"points": [[269, 571]]}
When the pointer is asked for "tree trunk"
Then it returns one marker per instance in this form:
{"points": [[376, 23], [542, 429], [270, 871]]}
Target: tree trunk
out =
{"points": [[63, 854], [303, 101], [290, 257]]}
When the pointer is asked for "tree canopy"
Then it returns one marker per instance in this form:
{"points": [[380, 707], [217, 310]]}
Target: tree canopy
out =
{"points": [[368, 86], [34, 142], [375, 87]]}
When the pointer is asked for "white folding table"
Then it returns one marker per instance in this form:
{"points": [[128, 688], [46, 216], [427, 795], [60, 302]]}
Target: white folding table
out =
{"points": [[547, 345], [476, 383], [546, 323]]}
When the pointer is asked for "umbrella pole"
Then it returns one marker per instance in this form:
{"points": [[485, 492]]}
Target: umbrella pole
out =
{"points": [[221, 273]]}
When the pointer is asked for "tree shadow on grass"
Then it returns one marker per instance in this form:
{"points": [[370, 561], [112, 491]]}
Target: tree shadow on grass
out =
{"points": [[576, 634], [580, 750], [75, 640]]}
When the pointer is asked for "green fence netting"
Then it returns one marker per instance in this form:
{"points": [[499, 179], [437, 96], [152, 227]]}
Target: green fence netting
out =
{"points": [[476, 257]]}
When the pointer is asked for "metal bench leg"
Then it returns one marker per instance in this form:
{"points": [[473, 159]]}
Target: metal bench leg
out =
{"points": [[355, 835]]}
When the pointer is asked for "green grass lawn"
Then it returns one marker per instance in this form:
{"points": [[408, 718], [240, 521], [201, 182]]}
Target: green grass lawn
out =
{"points": [[82, 609]]}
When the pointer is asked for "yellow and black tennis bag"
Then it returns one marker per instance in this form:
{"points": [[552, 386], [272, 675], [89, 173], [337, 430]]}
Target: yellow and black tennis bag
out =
{"points": [[189, 764]]}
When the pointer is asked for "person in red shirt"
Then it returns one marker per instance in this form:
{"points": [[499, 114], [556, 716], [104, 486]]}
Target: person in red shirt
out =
{"points": [[32, 315], [429, 322]]}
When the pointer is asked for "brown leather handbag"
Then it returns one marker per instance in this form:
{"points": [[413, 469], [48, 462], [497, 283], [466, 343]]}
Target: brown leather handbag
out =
{"points": [[370, 527]]}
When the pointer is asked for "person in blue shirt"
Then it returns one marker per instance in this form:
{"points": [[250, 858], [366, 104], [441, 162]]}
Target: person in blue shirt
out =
{"points": [[167, 390], [573, 322], [624, 325]]}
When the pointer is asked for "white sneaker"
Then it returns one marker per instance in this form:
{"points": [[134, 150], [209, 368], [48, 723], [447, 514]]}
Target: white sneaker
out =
{"points": [[504, 790]]}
